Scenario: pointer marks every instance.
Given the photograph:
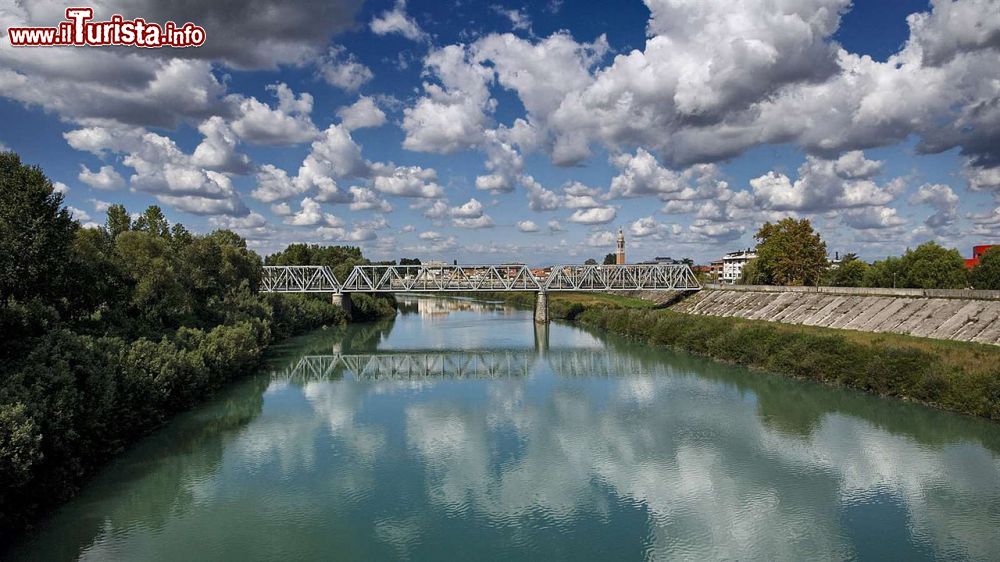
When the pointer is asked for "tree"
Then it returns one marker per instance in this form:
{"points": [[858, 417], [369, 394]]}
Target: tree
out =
{"points": [[35, 232], [885, 273], [687, 261], [118, 220], [610, 259], [986, 274], [849, 273], [153, 221], [409, 261], [590, 261], [790, 252], [930, 266]]}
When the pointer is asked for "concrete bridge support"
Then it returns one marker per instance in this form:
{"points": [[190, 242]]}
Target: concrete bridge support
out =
{"points": [[343, 300], [542, 307], [541, 339]]}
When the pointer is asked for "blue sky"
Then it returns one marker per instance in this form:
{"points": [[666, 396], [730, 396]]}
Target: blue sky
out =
{"points": [[489, 132]]}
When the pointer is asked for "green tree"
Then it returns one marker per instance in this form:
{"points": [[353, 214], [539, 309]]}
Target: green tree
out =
{"points": [[610, 259], [409, 261], [118, 220], [931, 266], [986, 274], [885, 273], [790, 252], [590, 261], [153, 221], [35, 232], [752, 274], [849, 273]]}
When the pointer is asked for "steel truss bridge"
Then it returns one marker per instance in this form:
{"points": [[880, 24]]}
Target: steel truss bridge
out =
{"points": [[477, 278], [462, 364]]}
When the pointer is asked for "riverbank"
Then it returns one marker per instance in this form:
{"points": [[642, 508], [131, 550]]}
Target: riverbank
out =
{"points": [[77, 400], [957, 376]]}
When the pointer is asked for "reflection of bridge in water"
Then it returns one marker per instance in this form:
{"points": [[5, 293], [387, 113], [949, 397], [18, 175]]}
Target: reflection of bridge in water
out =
{"points": [[463, 364]]}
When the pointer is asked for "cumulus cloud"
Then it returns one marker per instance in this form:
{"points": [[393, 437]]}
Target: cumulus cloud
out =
{"points": [[106, 178], [311, 214], [482, 221], [163, 170], [823, 185], [218, 149], [406, 181], [397, 21], [472, 209], [361, 114], [286, 124], [273, 184], [527, 226], [342, 69], [944, 201], [453, 115], [596, 215], [364, 199]]}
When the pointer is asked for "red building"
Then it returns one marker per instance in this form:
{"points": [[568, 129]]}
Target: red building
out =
{"points": [[977, 252]]}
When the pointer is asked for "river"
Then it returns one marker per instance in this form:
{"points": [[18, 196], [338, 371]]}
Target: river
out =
{"points": [[460, 431]]}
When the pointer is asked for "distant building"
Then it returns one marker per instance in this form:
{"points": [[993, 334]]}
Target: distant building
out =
{"points": [[715, 270], [977, 252], [701, 269], [732, 264], [620, 253], [660, 261]]}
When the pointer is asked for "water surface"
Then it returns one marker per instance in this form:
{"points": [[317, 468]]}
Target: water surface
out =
{"points": [[460, 431]]}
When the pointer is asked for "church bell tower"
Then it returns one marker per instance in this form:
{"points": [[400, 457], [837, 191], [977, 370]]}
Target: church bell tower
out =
{"points": [[620, 253]]}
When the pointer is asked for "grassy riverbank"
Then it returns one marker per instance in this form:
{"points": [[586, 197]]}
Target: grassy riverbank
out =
{"points": [[958, 376]]}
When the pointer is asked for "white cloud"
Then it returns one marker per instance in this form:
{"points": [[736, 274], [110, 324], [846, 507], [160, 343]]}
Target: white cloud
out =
{"points": [[78, 214], [311, 214], [397, 21], [539, 198], [472, 209], [823, 185], [647, 227], [361, 114], [406, 181], [364, 199], [482, 221], [218, 149], [601, 239], [437, 211], [596, 215], [273, 184], [430, 235], [60, 187], [527, 226], [106, 178], [451, 116], [281, 209], [554, 226], [253, 226], [286, 124], [944, 201], [342, 69]]}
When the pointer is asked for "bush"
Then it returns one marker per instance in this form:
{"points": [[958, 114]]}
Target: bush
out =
{"points": [[918, 372]]}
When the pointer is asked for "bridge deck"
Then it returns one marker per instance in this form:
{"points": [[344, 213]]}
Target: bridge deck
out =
{"points": [[477, 278]]}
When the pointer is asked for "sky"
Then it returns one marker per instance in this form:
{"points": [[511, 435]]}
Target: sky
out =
{"points": [[531, 132]]}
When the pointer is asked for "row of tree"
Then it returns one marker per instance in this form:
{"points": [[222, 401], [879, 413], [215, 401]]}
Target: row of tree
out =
{"points": [[105, 332], [790, 252]]}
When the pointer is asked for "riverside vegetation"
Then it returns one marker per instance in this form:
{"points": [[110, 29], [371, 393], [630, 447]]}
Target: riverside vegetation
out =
{"points": [[957, 376], [106, 332]]}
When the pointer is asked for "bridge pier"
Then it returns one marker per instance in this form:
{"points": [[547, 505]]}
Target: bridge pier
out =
{"points": [[343, 300], [541, 339], [542, 307]]}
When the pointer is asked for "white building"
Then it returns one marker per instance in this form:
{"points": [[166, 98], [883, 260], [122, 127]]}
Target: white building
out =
{"points": [[732, 265]]}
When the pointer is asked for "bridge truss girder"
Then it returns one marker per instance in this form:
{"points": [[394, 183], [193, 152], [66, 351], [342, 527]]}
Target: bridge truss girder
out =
{"points": [[478, 278]]}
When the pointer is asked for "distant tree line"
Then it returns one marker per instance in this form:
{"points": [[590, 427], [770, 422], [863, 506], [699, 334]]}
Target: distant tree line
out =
{"points": [[790, 252], [105, 332]]}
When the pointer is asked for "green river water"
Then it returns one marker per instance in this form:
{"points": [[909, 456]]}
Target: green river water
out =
{"points": [[460, 431]]}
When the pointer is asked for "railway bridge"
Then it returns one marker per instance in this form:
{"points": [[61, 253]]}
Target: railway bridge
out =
{"points": [[477, 279]]}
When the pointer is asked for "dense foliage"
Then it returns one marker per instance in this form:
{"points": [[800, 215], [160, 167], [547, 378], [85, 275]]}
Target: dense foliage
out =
{"points": [[986, 275], [108, 331], [789, 252], [850, 272], [928, 266]]}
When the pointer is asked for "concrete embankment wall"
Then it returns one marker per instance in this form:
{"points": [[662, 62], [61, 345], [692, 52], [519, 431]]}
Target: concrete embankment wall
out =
{"points": [[951, 315]]}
